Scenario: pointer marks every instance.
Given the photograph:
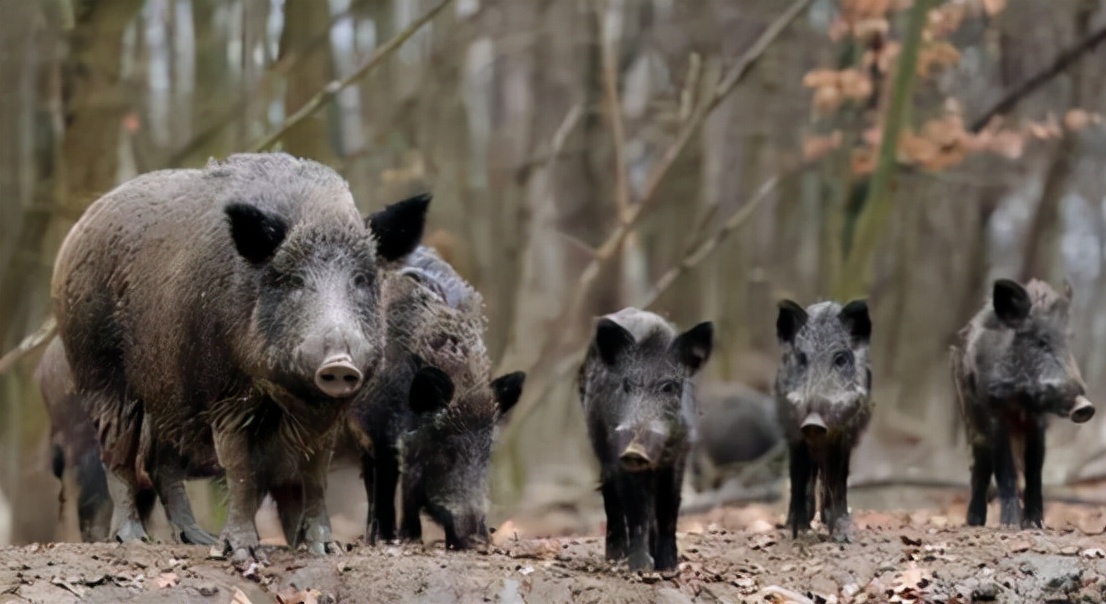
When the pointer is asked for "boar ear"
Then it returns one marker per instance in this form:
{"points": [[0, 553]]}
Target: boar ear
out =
{"points": [[791, 319], [256, 233], [692, 348], [1011, 301], [856, 319], [398, 227], [508, 389], [612, 340], [431, 390]]}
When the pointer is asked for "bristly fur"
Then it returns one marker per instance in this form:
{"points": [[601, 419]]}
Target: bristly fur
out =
{"points": [[1012, 368], [642, 418], [434, 319]]}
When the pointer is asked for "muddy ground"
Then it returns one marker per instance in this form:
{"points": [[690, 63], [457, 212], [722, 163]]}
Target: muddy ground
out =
{"points": [[733, 554]]}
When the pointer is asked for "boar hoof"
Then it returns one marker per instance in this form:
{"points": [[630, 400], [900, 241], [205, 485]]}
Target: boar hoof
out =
{"points": [[641, 561], [324, 548], [131, 531], [240, 549], [194, 535]]}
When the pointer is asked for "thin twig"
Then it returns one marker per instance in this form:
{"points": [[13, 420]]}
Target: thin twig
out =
{"points": [[1062, 62], [29, 343], [334, 87]]}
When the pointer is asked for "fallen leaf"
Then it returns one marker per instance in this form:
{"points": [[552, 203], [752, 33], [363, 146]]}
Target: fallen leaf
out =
{"points": [[291, 595], [240, 597], [166, 580], [1020, 545]]}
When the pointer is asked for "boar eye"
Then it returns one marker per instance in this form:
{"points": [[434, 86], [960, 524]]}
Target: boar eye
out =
{"points": [[801, 359], [361, 280], [293, 281], [626, 386], [670, 387], [843, 359]]}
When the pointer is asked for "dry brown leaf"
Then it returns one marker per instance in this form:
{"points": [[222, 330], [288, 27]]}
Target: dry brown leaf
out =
{"points": [[815, 147], [1093, 523], [1019, 545], [863, 161], [827, 99], [1077, 119], [240, 597], [817, 78], [936, 55], [855, 84], [291, 595], [993, 7], [911, 580], [166, 580]]}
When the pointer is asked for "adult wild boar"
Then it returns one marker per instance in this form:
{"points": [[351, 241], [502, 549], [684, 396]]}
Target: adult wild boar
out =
{"points": [[740, 436], [642, 418], [430, 415], [823, 401], [1012, 368], [230, 313]]}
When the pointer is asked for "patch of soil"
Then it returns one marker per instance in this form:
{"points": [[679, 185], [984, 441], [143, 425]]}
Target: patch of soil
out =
{"points": [[728, 555]]}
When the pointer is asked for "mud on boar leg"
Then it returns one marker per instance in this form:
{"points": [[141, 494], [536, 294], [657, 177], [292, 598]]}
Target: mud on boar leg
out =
{"points": [[617, 536], [803, 477], [640, 519], [239, 537], [126, 521], [982, 466], [668, 481], [1006, 478], [316, 531], [1034, 463], [169, 483]]}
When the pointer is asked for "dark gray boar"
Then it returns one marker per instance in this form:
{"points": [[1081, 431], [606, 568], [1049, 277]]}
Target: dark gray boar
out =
{"points": [[430, 415], [642, 418], [76, 455], [823, 403], [739, 426], [74, 450], [227, 315], [1012, 368]]}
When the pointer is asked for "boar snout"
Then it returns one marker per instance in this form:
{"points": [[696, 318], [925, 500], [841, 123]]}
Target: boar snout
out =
{"points": [[643, 450], [813, 426], [465, 531], [1082, 411], [337, 377]]}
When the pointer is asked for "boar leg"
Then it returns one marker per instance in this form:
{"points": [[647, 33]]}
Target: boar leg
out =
{"points": [[617, 546], [368, 478], [668, 483], [289, 502], [803, 477], [1034, 464], [411, 524], [835, 478], [982, 465], [317, 534], [383, 512], [239, 537], [169, 482], [638, 498], [1006, 476], [126, 522]]}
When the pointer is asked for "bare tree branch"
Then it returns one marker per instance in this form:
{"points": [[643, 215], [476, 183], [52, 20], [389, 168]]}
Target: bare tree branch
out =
{"points": [[28, 344], [1062, 62], [333, 88], [609, 62]]}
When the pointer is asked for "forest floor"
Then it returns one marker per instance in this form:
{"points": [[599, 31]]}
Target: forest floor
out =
{"points": [[731, 554]]}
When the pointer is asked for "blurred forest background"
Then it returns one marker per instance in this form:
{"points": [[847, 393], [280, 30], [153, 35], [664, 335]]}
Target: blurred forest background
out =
{"points": [[702, 158]]}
